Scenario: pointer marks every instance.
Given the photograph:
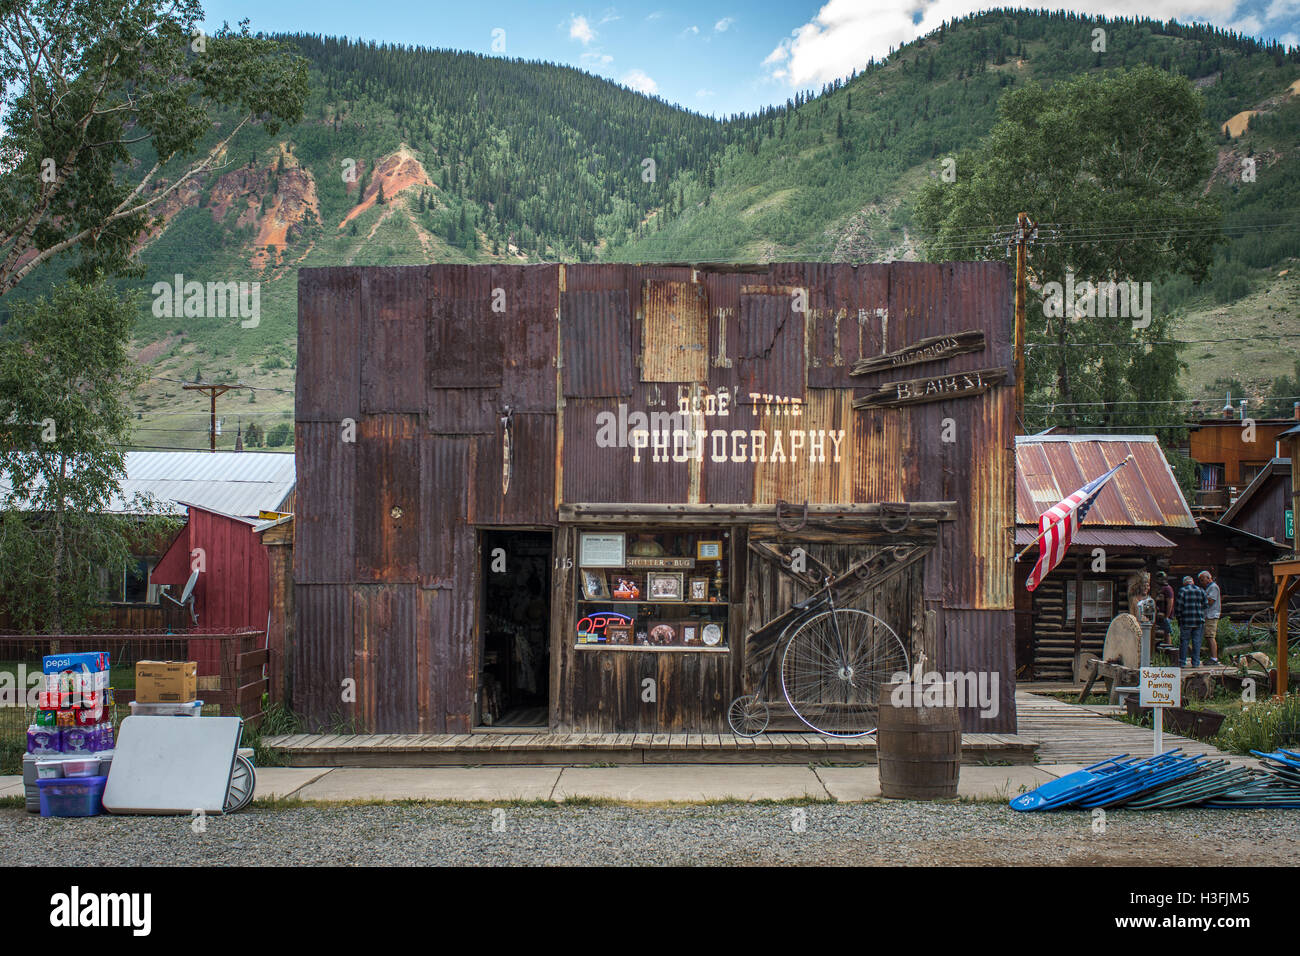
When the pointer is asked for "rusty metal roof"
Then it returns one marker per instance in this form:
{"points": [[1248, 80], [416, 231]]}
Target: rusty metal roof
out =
{"points": [[1143, 494], [1104, 538]]}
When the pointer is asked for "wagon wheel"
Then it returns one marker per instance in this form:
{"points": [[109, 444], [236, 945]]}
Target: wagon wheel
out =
{"points": [[1262, 627], [748, 715], [243, 780]]}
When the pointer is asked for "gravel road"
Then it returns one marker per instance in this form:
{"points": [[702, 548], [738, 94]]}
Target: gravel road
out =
{"points": [[880, 833]]}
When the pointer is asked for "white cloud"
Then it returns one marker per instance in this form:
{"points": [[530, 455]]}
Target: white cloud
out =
{"points": [[704, 94], [722, 25], [1289, 39], [580, 30], [641, 82], [596, 59], [1282, 10], [846, 33], [1248, 25], [654, 16], [610, 15], [692, 30]]}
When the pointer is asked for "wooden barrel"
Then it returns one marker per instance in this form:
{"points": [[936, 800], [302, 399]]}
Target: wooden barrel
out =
{"points": [[918, 743]]}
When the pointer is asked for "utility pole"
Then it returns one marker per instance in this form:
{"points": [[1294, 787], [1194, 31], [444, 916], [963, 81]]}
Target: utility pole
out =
{"points": [[1025, 230], [1019, 236], [212, 391]]}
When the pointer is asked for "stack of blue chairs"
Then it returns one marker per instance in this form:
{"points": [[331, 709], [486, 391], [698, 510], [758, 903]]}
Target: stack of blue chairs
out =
{"points": [[1172, 779]]}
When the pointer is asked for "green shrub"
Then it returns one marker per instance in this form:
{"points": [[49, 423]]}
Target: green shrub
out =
{"points": [[1262, 725]]}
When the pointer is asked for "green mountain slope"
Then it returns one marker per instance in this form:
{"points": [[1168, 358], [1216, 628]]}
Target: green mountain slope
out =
{"points": [[414, 155]]}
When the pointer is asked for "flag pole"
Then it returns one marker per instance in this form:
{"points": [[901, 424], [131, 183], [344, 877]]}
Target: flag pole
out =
{"points": [[1034, 543]]}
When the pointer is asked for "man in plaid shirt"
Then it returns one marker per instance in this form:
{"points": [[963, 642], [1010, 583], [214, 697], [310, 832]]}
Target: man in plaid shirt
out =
{"points": [[1189, 608]]}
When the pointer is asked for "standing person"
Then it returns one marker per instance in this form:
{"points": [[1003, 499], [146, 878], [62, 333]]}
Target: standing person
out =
{"points": [[1190, 611], [1164, 607], [1213, 609]]}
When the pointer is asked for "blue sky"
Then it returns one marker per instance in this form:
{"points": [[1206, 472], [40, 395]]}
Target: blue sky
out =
{"points": [[712, 57]]}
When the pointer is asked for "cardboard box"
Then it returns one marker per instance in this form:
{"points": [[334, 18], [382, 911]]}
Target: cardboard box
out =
{"points": [[159, 682]]}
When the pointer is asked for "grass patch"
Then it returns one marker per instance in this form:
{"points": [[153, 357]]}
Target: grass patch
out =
{"points": [[18, 802], [1262, 725]]}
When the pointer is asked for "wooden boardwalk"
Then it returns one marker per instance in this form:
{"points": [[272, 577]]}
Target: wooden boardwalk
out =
{"points": [[1070, 733], [432, 750], [1050, 731]]}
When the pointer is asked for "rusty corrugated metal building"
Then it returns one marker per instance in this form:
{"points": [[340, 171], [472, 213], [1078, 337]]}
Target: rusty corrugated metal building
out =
{"points": [[468, 446]]}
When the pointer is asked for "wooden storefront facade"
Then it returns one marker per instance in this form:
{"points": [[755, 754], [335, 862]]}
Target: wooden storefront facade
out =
{"points": [[487, 453]]}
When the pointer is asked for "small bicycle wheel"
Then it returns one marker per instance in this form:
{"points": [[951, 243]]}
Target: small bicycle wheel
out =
{"points": [[243, 780], [834, 668], [748, 716]]}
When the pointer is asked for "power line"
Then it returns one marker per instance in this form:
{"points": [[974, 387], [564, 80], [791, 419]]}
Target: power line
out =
{"points": [[1175, 401]]}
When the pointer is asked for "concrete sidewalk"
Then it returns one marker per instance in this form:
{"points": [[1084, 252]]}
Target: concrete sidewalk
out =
{"points": [[666, 783], [661, 783]]}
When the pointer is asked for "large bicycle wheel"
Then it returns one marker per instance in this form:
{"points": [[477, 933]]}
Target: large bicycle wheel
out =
{"points": [[834, 685]]}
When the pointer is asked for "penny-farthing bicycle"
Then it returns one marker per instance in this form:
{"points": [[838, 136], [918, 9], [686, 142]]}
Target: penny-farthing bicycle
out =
{"points": [[834, 663]]}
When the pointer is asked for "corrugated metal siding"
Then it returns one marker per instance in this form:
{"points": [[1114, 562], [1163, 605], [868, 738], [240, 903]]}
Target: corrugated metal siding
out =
{"points": [[394, 323], [325, 524], [843, 325], [675, 332], [465, 336], [385, 656], [982, 642], [597, 342], [1143, 493], [233, 483], [328, 382], [770, 356], [442, 465], [530, 499], [322, 652], [532, 299], [387, 499], [1103, 537]]}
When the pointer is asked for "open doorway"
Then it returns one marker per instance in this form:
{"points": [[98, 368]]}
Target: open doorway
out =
{"points": [[515, 629]]}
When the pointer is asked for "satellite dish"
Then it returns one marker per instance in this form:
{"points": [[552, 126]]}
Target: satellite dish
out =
{"points": [[187, 595], [189, 586]]}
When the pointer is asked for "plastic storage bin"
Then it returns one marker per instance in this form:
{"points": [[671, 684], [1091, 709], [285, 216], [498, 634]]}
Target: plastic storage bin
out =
{"points": [[49, 768], [193, 708], [87, 767], [72, 796]]}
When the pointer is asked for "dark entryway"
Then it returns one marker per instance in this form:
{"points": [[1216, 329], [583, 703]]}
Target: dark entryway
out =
{"points": [[514, 655]]}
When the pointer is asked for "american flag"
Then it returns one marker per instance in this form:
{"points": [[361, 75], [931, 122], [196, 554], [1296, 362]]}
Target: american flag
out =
{"points": [[1056, 526]]}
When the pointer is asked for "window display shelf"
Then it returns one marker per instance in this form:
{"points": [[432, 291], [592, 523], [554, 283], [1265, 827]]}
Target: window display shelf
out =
{"points": [[651, 649]]}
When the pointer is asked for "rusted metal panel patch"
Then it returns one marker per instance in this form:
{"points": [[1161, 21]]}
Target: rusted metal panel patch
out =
{"points": [[675, 336]]}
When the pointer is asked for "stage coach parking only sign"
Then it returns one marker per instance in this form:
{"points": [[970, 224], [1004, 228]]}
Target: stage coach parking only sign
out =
{"points": [[1160, 687]]}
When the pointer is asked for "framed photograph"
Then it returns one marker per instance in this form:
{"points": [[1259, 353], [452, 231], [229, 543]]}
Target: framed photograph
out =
{"points": [[663, 634], [618, 633], [708, 550], [626, 587], [664, 586], [711, 634], [602, 549], [690, 631], [699, 589], [594, 585]]}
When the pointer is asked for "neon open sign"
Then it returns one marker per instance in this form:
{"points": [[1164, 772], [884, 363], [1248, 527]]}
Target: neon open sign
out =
{"points": [[591, 629]]}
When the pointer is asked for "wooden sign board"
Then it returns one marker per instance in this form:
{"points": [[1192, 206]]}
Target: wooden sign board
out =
{"points": [[940, 388], [933, 349], [1160, 687]]}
